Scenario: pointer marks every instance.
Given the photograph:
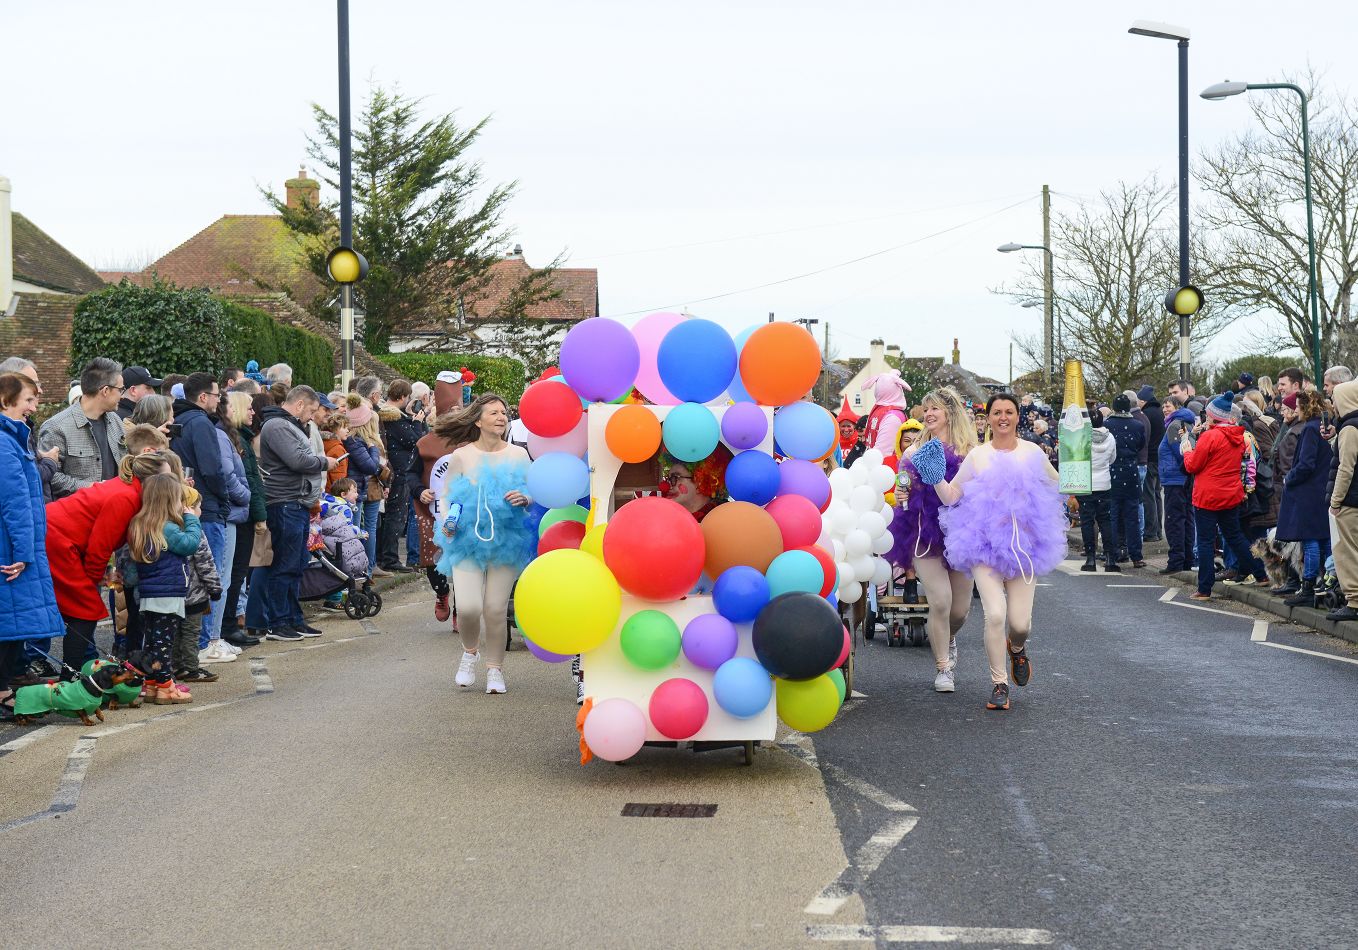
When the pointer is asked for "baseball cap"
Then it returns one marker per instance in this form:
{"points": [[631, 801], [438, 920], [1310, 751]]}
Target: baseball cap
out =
{"points": [[325, 401], [140, 376]]}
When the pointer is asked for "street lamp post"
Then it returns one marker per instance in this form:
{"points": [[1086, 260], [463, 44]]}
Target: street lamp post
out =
{"points": [[1179, 34], [346, 242], [1047, 355], [1224, 90]]}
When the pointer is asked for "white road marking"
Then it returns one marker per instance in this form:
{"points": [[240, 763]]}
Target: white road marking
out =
{"points": [[1138, 586], [1168, 595], [853, 933], [14, 745], [369, 627], [259, 670], [1210, 610], [867, 860], [1327, 656], [1260, 632], [77, 764]]}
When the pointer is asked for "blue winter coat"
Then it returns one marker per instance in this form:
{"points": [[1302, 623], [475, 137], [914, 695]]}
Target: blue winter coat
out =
{"points": [[168, 575], [237, 487], [196, 447], [1130, 436], [28, 605], [1171, 456], [1303, 514], [364, 461]]}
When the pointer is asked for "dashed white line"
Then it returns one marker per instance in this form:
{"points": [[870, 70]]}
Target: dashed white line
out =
{"points": [[1260, 632], [1210, 610], [1168, 596], [852, 933], [14, 745], [1326, 656]]}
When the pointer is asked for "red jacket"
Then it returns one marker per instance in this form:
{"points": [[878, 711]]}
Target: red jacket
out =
{"points": [[83, 531], [1214, 464]]}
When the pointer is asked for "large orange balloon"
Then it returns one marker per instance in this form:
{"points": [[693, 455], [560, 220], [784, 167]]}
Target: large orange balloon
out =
{"points": [[739, 533], [633, 433], [779, 363]]}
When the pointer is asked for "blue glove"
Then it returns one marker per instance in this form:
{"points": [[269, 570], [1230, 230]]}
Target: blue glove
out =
{"points": [[930, 461]]}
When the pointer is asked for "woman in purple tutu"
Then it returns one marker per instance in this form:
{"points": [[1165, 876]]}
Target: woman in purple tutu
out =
{"points": [[1007, 526], [918, 538]]}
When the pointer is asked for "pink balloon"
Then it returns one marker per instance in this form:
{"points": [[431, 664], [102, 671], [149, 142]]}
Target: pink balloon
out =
{"points": [[844, 654], [614, 730], [678, 708], [798, 519], [648, 332], [574, 442]]}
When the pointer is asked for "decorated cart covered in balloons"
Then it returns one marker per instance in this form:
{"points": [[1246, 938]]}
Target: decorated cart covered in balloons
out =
{"points": [[693, 626]]}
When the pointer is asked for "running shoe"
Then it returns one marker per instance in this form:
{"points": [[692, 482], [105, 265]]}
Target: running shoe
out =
{"points": [[1020, 665], [466, 670], [999, 697], [944, 682], [495, 680]]}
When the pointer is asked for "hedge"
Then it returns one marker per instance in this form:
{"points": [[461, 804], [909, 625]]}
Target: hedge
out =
{"points": [[254, 335], [494, 374]]}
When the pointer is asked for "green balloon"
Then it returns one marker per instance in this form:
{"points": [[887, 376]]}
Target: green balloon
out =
{"points": [[837, 677], [650, 639], [569, 513]]}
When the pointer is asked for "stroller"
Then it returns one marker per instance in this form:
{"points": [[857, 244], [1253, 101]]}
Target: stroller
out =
{"points": [[324, 575]]}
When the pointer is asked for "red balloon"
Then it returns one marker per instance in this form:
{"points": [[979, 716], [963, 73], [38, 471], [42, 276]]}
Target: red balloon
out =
{"points": [[655, 548], [844, 653], [827, 565], [678, 708], [563, 534], [550, 409], [798, 519]]}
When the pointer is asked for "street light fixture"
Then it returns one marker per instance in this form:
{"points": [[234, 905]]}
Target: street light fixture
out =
{"points": [[1167, 31], [1224, 90], [1047, 355]]}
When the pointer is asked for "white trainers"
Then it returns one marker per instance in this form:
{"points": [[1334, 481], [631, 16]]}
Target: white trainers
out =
{"points": [[232, 647], [466, 670], [495, 680], [944, 682], [952, 653], [216, 651]]}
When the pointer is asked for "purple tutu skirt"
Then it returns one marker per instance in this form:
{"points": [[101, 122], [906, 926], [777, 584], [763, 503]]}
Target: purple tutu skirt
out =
{"points": [[1010, 519], [915, 528]]}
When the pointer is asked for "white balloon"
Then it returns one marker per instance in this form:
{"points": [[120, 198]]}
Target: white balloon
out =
{"points": [[865, 499], [842, 518], [850, 593], [881, 571], [860, 473], [857, 543], [837, 549], [882, 479], [887, 511], [862, 567], [841, 482], [882, 543], [873, 458], [845, 571], [872, 522]]}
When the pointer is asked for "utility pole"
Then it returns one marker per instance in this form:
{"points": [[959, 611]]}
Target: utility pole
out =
{"points": [[1011, 366], [1047, 341]]}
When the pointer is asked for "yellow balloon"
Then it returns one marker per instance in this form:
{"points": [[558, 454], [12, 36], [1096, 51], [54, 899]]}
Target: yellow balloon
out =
{"points": [[589, 518], [891, 498], [806, 705], [594, 541], [567, 602]]}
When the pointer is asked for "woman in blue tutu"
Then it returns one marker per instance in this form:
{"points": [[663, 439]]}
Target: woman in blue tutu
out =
{"points": [[1007, 526], [486, 538]]}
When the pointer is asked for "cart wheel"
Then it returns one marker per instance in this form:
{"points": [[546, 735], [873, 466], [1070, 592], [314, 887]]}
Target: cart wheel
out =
{"points": [[749, 752], [917, 634], [356, 606], [374, 604], [896, 637], [869, 632]]}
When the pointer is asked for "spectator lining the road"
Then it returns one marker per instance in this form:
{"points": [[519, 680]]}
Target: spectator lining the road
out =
{"points": [[367, 461], [1177, 488], [1129, 434], [1096, 508], [239, 410], [1302, 514], [89, 433], [1342, 492]]}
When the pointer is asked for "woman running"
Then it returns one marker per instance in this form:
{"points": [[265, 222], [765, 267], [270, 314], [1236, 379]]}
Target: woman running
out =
{"points": [[1007, 526], [918, 537]]}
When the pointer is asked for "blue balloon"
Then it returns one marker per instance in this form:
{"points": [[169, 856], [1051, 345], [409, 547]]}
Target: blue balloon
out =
{"points": [[557, 479], [742, 687], [696, 360], [736, 390], [690, 432], [804, 431], [795, 571], [740, 593], [753, 477]]}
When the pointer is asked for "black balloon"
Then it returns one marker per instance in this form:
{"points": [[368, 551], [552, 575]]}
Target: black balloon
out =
{"points": [[798, 636]]}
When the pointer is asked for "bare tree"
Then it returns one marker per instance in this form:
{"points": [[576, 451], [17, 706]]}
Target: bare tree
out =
{"points": [[1257, 260]]}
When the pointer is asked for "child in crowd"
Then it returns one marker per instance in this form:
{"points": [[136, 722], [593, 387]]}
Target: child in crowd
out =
{"points": [[334, 448], [205, 586], [340, 524], [161, 536]]}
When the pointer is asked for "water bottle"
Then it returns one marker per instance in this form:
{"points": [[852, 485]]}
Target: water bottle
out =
{"points": [[454, 514]]}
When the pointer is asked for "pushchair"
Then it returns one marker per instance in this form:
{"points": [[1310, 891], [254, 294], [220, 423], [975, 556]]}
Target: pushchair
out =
{"points": [[324, 576]]}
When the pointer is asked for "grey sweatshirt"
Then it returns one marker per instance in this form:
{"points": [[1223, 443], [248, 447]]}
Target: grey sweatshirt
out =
{"points": [[290, 469]]}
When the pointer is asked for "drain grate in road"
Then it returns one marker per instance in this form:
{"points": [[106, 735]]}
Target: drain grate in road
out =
{"points": [[667, 810]]}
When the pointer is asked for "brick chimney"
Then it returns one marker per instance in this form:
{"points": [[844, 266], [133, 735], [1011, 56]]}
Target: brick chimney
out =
{"points": [[6, 247], [303, 191]]}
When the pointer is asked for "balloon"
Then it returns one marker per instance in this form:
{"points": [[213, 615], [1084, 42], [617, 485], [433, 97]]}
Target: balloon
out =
{"points": [[872, 458], [574, 442], [864, 499], [678, 708], [744, 426], [881, 571], [881, 479], [882, 543], [633, 433], [599, 359], [872, 523], [691, 432], [740, 593], [737, 388], [837, 677], [696, 360], [547, 656], [549, 409], [862, 567], [752, 476], [842, 518], [563, 534], [614, 730], [654, 548], [850, 592], [804, 430], [809, 705], [798, 520], [847, 649], [857, 543], [798, 477], [593, 544], [742, 687], [797, 636], [649, 332], [827, 566], [779, 363], [650, 639], [569, 513], [567, 602], [740, 533], [710, 640], [859, 472], [841, 483], [796, 571], [557, 479]]}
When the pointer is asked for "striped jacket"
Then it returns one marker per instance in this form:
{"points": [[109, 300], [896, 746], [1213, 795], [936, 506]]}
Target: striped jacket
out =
{"points": [[79, 464]]}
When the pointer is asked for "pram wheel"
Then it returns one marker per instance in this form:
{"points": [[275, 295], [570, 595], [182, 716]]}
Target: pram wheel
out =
{"points": [[356, 605], [374, 603], [918, 635], [895, 636]]}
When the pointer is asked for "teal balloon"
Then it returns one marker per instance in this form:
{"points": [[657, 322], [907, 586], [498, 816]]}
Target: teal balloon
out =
{"points": [[569, 513], [690, 432], [837, 677], [795, 571]]}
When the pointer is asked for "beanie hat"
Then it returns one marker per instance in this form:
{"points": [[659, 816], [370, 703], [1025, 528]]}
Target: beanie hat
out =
{"points": [[359, 411], [1290, 400], [1145, 393], [1221, 408], [1121, 403], [1247, 379]]}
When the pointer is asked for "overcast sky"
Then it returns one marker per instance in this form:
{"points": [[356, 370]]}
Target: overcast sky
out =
{"points": [[685, 149]]}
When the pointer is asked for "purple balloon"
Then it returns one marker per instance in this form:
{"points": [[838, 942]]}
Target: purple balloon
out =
{"points": [[547, 656], [807, 479], [744, 425], [710, 640], [600, 359]]}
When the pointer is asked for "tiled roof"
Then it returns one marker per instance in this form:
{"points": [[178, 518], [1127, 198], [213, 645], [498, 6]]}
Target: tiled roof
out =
{"points": [[240, 254], [578, 297], [40, 260]]}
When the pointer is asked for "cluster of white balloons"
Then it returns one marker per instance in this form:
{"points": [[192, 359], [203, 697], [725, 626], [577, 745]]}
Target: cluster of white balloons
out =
{"points": [[854, 526]]}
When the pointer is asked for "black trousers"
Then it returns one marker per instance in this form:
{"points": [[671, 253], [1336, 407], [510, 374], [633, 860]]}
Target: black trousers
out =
{"points": [[391, 534], [1179, 531], [78, 644], [132, 635], [12, 661], [437, 582], [240, 569], [1151, 504], [1096, 510]]}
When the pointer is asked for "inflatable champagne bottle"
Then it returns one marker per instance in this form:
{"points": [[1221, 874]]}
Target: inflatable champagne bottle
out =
{"points": [[1075, 433]]}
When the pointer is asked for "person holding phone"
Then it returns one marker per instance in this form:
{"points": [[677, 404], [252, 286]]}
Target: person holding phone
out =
{"points": [[333, 436]]}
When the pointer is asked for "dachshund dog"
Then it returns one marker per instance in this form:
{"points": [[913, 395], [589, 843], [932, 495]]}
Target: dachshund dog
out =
{"points": [[76, 698], [122, 694], [1282, 559]]}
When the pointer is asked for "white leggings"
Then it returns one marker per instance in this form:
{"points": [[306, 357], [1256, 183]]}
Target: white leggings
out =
{"points": [[1004, 601], [482, 604], [949, 594]]}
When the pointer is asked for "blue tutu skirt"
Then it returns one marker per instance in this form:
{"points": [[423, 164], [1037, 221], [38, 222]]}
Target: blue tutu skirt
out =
{"points": [[490, 530]]}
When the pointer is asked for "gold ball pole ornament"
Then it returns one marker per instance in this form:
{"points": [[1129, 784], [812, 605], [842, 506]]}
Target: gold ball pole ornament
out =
{"points": [[346, 266]]}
